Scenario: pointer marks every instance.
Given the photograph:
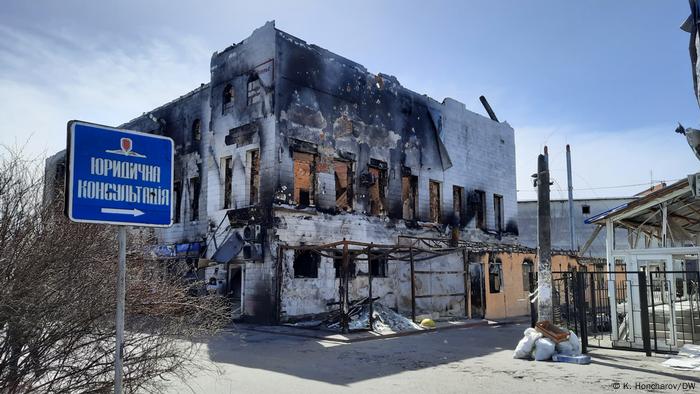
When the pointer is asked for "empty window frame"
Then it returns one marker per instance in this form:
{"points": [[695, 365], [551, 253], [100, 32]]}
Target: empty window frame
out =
{"points": [[343, 185], [304, 178], [378, 266], [480, 208], [528, 272], [377, 189], [254, 89], [457, 197], [585, 209], [338, 264], [306, 264], [409, 196], [228, 181], [254, 185], [498, 212], [228, 95], [196, 131], [435, 202], [177, 191], [195, 187], [495, 276]]}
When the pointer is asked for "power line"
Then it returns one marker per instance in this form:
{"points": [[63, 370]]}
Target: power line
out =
{"points": [[614, 187]]}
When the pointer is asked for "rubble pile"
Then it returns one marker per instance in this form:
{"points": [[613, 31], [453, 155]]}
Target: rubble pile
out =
{"points": [[384, 319], [547, 342]]}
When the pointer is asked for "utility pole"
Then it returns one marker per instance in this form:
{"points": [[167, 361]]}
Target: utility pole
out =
{"points": [[571, 197], [544, 242]]}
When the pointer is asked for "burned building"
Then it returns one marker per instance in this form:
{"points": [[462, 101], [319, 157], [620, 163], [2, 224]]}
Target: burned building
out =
{"points": [[290, 144]]}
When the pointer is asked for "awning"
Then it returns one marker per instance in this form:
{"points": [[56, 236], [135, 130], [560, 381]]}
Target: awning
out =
{"points": [[229, 249]]}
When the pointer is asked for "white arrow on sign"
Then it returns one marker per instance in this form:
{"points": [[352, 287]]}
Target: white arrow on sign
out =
{"points": [[134, 212]]}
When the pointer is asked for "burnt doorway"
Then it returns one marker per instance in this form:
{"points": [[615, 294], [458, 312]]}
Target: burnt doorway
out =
{"points": [[235, 293], [476, 296]]}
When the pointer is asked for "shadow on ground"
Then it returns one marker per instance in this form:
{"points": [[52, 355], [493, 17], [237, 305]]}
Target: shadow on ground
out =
{"points": [[344, 364]]}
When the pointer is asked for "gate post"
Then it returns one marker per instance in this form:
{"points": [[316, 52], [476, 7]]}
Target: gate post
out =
{"points": [[644, 310], [580, 296]]}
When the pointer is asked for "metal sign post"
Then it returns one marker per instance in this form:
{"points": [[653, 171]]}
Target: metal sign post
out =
{"points": [[119, 177], [121, 299]]}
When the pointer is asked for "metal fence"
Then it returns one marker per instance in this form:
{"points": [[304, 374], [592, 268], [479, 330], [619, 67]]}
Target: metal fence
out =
{"points": [[655, 311]]}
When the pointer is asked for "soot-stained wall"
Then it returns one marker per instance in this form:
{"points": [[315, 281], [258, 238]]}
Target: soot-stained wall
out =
{"points": [[344, 111]]}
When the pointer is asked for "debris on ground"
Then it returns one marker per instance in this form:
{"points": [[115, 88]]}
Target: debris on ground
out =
{"points": [[384, 319], [549, 342], [688, 359]]}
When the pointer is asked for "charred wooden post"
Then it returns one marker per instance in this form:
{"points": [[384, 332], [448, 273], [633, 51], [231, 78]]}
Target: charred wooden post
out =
{"points": [[344, 303], [413, 286], [369, 275]]}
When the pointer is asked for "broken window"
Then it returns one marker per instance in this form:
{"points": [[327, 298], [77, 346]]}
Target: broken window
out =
{"points": [[343, 185], [378, 265], [338, 264], [306, 264], [498, 211], [228, 95], [480, 208], [195, 187], [528, 270], [435, 202], [177, 191], [228, 180], [586, 209], [254, 89], [495, 276], [457, 193], [304, 174], [196, 133], [377, 188], [409, 196], [254, 176]]}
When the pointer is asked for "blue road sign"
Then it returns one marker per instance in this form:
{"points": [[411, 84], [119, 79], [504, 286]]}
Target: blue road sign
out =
{"points": [[118, 176]]}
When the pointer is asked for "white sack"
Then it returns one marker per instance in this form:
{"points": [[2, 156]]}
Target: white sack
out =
{"points": [[544, 348]]}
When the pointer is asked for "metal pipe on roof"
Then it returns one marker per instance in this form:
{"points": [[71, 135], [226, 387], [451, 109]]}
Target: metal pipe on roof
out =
{"points": [[571, 197]]}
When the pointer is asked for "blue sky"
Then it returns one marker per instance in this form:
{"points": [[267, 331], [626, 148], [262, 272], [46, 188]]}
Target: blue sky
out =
{"points": [[611, 78]]}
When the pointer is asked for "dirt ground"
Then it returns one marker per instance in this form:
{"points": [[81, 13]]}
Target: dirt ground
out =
{"points": [[477, 359]]}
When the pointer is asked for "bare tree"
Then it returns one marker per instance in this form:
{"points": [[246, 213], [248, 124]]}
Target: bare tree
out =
{"points": [[57, 299]]}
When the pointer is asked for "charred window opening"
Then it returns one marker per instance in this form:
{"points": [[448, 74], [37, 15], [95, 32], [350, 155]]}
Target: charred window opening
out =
{"points": [[228, 95], [498, 212], [254, 176], [343, 185], [59, 177], [195, 188], [480, 208], [586, 209], [495, 276], [409, 196], [528, 270], [306, 264], [304, 174], [228, 181], [378, 81], [345, 125], [196, 132], [338, 264], [435, 202], [177, 191], [377, 180], [378, 265], [254, 89], [457, 195]]}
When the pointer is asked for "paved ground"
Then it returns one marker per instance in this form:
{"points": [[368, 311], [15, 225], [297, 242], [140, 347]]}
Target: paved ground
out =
{"points": [[477, 359]]}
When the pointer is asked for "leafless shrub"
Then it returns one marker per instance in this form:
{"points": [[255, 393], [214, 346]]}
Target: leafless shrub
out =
{"points": [[58, 298]]}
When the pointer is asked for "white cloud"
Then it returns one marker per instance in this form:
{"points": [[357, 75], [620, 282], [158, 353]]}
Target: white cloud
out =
{"points": [[603, 158], [47, 80]]}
